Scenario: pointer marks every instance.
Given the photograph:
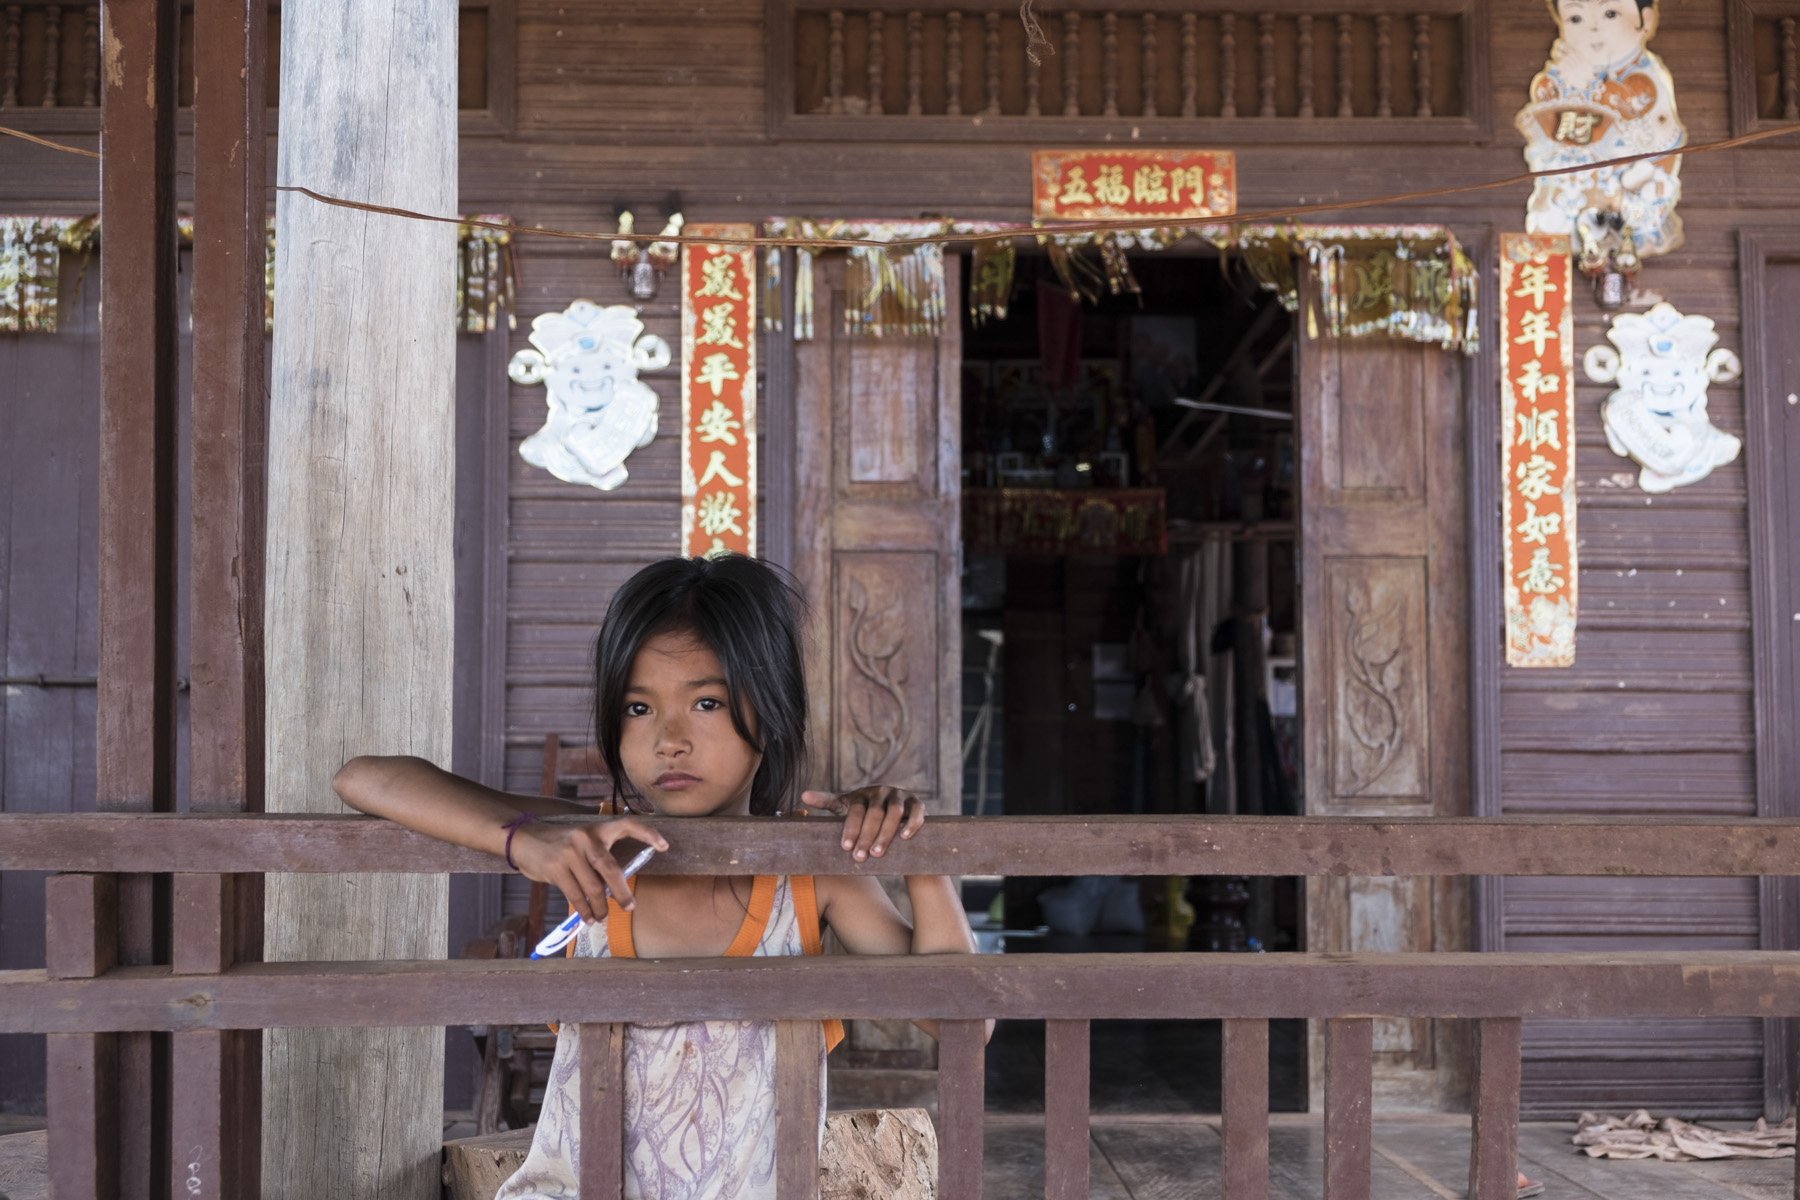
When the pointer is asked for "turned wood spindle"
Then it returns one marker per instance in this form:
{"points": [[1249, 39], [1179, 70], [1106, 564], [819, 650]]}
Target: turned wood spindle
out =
{"points": [[953, 64], [9, 56], [991, 64], [1071, 65], [52, 53], [1265, 63], [1422, 63], [1384, 67], [1109, 64], [915, 59], [1227, 65], [1147, 85], [834, 64], [90, 57], [1303, 70], [877, 60], [1790, 72], [1344, 106], [1190, 66]]}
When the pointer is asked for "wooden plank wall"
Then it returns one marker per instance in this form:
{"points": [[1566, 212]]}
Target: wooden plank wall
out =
{"points": [[624, 101]]}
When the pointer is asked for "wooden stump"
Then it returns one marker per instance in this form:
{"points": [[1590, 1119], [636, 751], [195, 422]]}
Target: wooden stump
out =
{"points": [[869, 1154]]}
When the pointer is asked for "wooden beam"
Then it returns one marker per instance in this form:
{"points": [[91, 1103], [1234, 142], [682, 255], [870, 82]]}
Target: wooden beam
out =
{"points": [[962, 1051], [1335, 846], [377, 994], [360, 571], [602, 1083], [1494, 1131], [1244, 1110], [1066, 1109], [799, 1058], [81, 941], [1349, 1132]]}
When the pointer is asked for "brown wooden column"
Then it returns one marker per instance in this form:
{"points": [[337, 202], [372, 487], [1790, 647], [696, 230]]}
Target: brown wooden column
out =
{"points": [[106, 1104], [217, 920], [361, 578]]}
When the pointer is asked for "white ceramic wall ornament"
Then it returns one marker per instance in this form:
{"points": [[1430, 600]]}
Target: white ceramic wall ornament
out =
{"points": [[588, 359], [1662, 363]]}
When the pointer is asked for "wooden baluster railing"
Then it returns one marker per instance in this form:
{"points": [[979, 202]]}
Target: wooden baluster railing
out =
{"points": [[1034, 82], [1147, 70], [1227, 65], [1244, 1113], [1066, 1077], [1303, 67], [1494, 1125], [9, 56], [52, 54], [834, 64], [602, 1084], [953, 64], [1071, 64], [81, 939], [90, 57], [915, 60], [1265, 63], [799, 1058], [991, 64], [1344, 105], [877, 60], [1109, 63], [1384, 66], [1422, 64], [1190, 65], [1349, 1066], [962, 1087], [1790, 72]]}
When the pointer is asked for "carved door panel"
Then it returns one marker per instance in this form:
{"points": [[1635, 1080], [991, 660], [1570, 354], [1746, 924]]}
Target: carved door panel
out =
{"points": [[1384, 650], [876, 545]]}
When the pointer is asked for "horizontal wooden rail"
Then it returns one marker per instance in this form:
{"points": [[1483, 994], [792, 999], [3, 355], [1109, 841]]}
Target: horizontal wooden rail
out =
{"points": [[951, 986], [249, 843]]}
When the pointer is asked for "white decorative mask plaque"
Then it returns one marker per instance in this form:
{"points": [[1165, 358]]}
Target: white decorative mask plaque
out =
{"points": [[588, 359], [1662, 363]]}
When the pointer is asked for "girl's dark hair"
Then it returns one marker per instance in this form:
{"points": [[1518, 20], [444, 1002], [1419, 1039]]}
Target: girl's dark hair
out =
{"points": [[748, 614]]}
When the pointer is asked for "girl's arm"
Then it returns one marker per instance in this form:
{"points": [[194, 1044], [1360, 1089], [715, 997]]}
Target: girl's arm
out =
{"points": [[857, 907], [576, 858]]}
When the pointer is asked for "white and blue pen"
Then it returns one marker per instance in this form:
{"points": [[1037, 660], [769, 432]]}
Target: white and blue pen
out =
{"points": [[565, 933]]}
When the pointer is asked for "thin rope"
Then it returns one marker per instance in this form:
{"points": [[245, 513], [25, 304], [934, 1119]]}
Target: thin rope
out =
{"points": [[1061, 229]]}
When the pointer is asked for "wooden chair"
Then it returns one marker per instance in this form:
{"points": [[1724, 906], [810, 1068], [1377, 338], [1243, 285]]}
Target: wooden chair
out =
{"points": [[515, 1059]]}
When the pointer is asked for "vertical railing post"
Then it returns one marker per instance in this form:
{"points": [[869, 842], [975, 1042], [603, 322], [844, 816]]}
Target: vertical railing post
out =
{"points": [[602, 1084], [1244, 1110], [81, 919], [1349, 1065], [1494, 1127], [962, 1089], [1066, 1088], [216, 1120], [799, 1059], [120, 1103]]}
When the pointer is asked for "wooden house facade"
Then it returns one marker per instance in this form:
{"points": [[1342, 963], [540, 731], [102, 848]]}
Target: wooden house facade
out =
{"points": [[1684, 678]]}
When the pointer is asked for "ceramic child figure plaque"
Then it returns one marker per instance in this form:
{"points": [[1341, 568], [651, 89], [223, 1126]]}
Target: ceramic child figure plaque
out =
{"points": [[1604, 94], [1662, 363], [588, 359]]}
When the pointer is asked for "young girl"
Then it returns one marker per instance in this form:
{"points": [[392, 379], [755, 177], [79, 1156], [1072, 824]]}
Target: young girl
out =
{"points": [[700, 706]]}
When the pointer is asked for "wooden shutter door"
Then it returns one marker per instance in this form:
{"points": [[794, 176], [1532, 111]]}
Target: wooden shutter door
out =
{"points": [[876, 546], [1384, 648]]}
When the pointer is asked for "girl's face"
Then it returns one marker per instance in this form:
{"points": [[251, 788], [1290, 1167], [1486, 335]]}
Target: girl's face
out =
{"points": [[677, 742]]}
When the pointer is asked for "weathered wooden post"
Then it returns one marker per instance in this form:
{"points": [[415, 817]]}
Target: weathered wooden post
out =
{"points": [[360, 574]]}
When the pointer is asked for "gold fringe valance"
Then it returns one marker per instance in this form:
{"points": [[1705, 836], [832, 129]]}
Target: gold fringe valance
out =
{"points": [[31, 250], [1406, 281]]}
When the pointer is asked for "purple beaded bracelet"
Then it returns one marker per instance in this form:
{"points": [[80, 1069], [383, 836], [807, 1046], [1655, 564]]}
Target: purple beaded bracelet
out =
{"points": [[512, 827]]}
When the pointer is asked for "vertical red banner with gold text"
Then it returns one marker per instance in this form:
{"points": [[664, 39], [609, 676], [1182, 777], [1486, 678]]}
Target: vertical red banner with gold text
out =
{"points": [[1537, 459], [718, 394]]}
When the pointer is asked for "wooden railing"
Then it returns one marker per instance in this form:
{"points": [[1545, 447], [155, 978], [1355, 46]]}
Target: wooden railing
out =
{"points": [[83, 992], [1292, 69]]}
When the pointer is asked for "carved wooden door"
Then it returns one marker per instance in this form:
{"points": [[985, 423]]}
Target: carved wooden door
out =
{"points": [[876, 545], [1384, 649]]}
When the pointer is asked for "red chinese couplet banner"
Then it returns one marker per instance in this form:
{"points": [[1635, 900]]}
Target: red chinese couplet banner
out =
{"points": [[1103, 185], [718, 394], [1537, 462]]}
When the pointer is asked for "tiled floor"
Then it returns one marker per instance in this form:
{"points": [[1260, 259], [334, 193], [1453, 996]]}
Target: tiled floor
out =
{"points": [[1150, 1158]]}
